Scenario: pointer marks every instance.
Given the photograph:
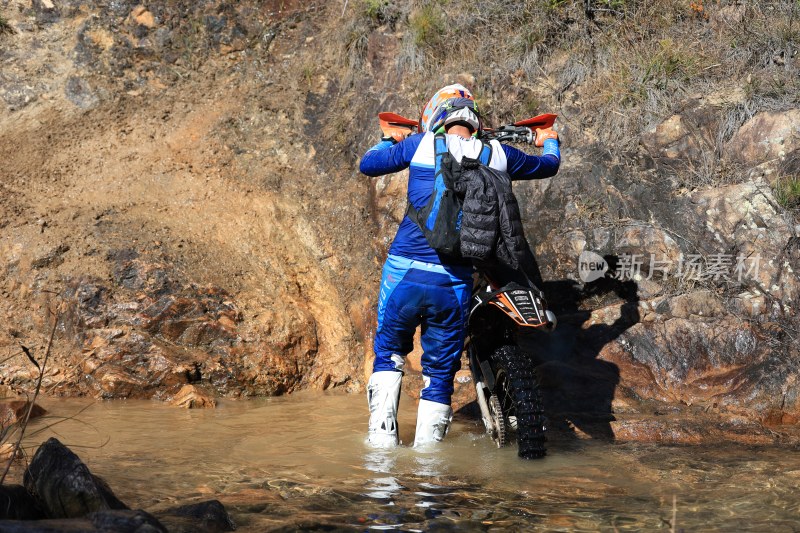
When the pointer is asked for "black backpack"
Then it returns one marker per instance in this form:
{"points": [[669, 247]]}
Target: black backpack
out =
{"points": [[440, 218]]}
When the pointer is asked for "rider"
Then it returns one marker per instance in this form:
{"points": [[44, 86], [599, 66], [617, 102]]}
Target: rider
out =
{"points": [[421, 287]]}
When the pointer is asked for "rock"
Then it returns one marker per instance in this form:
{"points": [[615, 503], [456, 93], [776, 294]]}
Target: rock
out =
{"points": [[13, 411], [203, 517], [672, 139], [193, 320], [65, 486], [118, 521], [722, 362], [692, 429], [79, 92], [18, 95], [114, 381], [52, 258], [698, 304], [193, 397], [7, 450], [124, 521], [744, 218], [749, 304], [16, 503], [142, 16], [46, 11], [769, 135], [133, 273], [135, 334]]}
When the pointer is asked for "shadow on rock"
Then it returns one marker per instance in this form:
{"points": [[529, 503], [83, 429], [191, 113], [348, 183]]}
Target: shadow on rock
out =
{"points": [[577, 387]]}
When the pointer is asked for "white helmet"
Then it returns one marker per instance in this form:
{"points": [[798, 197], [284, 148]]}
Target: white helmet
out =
{"points": [[465, 116]]}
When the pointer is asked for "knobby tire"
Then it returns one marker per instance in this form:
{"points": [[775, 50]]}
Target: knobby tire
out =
{"points": [[522, 399]]}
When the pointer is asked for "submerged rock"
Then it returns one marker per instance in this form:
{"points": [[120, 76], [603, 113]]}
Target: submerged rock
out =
{"points": [[193, 397], [62, 495], [65, 486], [12, 412], [203, 517]]}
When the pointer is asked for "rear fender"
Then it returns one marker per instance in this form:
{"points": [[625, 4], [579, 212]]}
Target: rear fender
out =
{"points": [[525, 306]]}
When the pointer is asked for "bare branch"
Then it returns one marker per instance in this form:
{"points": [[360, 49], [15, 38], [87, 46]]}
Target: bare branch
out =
{"points": [[24, 423], [28, 353]]}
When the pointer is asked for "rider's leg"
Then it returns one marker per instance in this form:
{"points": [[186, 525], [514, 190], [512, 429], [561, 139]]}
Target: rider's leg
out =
{"points": [[433, 422], [383, 396], [398, 317], [443, 332]]}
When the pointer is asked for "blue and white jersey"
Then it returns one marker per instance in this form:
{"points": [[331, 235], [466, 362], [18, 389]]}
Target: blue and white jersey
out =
{"points": [[416, 152]]}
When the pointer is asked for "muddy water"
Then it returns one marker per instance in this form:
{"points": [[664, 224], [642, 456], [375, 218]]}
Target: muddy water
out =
{"points": [[300, 462]]}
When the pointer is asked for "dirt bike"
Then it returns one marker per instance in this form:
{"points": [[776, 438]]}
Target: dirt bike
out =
{"points": [[506, 383], [505, 378]]}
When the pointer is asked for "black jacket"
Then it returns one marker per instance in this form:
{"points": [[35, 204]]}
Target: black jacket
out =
{"points": [[491, 227]]}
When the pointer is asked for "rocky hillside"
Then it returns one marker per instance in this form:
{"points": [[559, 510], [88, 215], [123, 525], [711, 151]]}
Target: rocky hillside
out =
{"points": [[180, 189]]}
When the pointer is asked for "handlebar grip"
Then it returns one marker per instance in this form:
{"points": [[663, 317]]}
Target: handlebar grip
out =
{"points": [[530, 135], [511, 133]]}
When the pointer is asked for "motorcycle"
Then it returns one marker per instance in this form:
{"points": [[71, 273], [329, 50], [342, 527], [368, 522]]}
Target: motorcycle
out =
{"points": [[505, 378], [506, 384]]}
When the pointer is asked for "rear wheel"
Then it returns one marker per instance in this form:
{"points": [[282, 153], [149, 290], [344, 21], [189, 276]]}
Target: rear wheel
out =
{"points": [[498, 421], [517, 393]]}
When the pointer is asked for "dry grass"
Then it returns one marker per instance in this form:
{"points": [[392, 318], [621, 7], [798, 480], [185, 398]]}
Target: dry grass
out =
{"points": [[5, 26], [625, 64], [380, 12]]}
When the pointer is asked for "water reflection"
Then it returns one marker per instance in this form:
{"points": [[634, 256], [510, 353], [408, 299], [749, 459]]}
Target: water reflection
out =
{"points": [[384, 485], [301, 463], [428, 463]]}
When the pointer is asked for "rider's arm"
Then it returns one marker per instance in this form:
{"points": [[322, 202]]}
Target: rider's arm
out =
{"points": [[522, 166], [387, 157]]}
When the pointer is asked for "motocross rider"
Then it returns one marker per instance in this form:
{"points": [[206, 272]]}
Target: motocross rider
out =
{"points": [[419, 287]]}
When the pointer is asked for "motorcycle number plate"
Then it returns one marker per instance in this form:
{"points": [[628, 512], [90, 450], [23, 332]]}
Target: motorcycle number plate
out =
{"points": [[524, 307]]}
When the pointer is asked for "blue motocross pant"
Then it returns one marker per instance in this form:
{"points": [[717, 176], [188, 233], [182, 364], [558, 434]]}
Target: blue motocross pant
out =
{"points": [[435, 297]]}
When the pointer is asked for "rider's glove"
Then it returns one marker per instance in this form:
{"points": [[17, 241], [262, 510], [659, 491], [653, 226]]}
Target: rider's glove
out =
{"points": [[543, 134], [395, 135], [548, 139], [389, 139]]}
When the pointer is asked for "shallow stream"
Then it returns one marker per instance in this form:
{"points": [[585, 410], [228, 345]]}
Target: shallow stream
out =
{"points": [[300, 462]]}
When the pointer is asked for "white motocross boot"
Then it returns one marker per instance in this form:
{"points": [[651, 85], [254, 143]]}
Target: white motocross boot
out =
{"points": [[383, 395], [433, 421]]}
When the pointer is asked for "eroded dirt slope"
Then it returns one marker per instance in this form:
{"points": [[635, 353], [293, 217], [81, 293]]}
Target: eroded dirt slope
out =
{"points": [[189, 181]]}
